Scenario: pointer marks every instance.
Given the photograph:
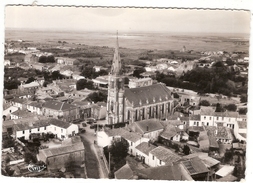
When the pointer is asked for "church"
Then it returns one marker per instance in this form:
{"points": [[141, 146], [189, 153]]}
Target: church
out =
{"points": [[135, 104]]}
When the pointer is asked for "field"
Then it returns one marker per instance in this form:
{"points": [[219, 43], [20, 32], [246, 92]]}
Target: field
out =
{"points": [[147, 41]]}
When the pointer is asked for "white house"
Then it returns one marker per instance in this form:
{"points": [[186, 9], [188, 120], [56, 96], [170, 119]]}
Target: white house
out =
{"points": [[142, 151], [35, 107], [194, 120], [62, 130], [162, 156], [7, 62], [7, 112]]}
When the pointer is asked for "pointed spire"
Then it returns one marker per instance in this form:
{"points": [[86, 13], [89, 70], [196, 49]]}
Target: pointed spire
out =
{"points": [[116, 63]]}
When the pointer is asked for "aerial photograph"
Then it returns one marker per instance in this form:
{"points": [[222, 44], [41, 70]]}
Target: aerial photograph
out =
{"points": [[125, 93]]}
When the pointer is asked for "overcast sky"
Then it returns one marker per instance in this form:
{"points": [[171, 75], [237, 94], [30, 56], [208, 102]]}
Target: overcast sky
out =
{"points": [[109, 19]]}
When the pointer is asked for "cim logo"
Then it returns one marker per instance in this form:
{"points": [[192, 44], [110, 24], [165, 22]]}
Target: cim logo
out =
{"points": [[36, 168]]}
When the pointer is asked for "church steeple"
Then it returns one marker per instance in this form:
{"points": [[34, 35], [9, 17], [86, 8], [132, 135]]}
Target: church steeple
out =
{"points": [[116, 62]]}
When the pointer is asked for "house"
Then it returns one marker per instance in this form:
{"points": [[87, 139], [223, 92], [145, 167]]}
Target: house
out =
{"points": [[65, 60], [172, 133], [189, 99], [60, 110], [67, 73], [19, 103], [134, 83], [77, 77], [30, 87], [61, 157], [85, 108], [21, 113], [98, 110], [101, 82], [124, 172], [221, 133], [35, 107], [7, 112], [99, 68], [171, 172], [61, 129], [195, 120], [142, 151], [104, 138], [240, 130], [150, 128], [82, 93], [207, 115], [162, 156]]}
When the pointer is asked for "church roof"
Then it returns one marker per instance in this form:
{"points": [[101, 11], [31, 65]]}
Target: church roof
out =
{"points": [[147, 95]]}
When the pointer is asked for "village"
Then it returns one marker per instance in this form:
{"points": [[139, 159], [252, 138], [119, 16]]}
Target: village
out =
{"points": [[137, 120]]}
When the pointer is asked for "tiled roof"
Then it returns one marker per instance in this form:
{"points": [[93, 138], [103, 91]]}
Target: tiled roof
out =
{"points": [[213, 142], [19, 100], [168, 172], [131, 136], [26, 125], [147, 95], [62, 150], [195, 166], [227, 114], [165, 155], [59, 123], [207, 110], [149, 125], [23, 113], [124, 172], [145, 147], [170, 131], [59, 106], [209, 161], [196, 128], [222, 132], [72, 140], [36, 104]]}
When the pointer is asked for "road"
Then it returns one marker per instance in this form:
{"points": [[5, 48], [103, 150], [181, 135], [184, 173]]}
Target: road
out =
{"points": [[93, 162]]}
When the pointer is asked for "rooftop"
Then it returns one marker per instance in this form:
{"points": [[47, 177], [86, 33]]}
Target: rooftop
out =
{"points": [[59, 106], [147, 95], [225, 170], [31, 85], [165, 155], [145, 147], [195, 166], [195, 117], [62, 150], [219, 132], [131, 136], [242, 124], [149, 125], [23, 113], [124, 172], [207, 110], [168, 172], [170, 131]]}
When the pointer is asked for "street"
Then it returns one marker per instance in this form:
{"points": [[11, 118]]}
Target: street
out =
{"points": [[92, 159]]}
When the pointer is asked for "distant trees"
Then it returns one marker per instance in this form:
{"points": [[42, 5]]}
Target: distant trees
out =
{"points": [[243, 111], [138, 71], [83, 83], [11, 84], [98, 97], [204, 103], [47, 59], [243, 98], [29, 80], [89, 72], [231, 107], [186, 150]]}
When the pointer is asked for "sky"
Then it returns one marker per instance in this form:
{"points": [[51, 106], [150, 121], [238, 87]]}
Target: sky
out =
{"points": [[127, 19]]}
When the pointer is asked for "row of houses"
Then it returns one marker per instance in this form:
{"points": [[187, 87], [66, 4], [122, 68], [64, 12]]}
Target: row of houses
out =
{"points": [[156, 157]]}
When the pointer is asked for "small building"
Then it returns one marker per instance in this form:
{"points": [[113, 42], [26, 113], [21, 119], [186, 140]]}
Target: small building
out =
{"points": [[162, 156], [64, 156], [30, 87], [7, 63], [172, 133], [98, 110], [35, 107], [224, 171], [240, 130], [65, 60], [101, 82]]}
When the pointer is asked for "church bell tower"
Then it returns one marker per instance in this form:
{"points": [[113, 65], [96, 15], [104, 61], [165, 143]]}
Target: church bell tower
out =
{"points": [[115, 100]]}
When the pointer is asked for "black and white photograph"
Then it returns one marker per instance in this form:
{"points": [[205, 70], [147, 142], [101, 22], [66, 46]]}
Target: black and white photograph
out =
{"points": [[125, 93]]}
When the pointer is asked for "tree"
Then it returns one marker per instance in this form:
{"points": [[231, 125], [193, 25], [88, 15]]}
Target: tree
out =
{"points": [[231, 107], [29, 80], [243, 111], [83, 83], [138, 71], [29, 157], [228, 156], [98, 97], [243, 98], [218, 108], [56, 75], [204, 103], [119, 149], [186, 150]]}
